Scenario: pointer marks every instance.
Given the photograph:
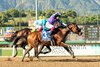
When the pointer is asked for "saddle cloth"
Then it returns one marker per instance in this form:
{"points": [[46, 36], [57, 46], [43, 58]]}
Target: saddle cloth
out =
{"points": [[46, 35]]}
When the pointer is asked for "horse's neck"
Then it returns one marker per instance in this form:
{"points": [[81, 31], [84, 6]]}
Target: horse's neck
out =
{"points": [[21, 33], [63, 33]]}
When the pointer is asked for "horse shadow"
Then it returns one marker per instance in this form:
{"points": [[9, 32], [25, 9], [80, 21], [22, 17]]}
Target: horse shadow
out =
{"points": [[72, 60]]}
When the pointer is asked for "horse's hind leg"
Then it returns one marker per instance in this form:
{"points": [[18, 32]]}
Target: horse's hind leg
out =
{"points": [[48, 47], [41, 47], [26, 53], [36, 51], [16, 51], [69, 49], [26, 50]]}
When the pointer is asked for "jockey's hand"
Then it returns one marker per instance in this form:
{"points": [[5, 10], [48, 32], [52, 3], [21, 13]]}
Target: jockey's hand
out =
{"points": [[55, 26], [64, 26]]}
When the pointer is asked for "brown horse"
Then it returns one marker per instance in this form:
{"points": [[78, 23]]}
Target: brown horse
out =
{"points": [[35, 38], [19, 39]]}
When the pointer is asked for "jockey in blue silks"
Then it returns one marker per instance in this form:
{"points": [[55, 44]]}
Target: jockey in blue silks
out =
{"points": [[49, 24], [40, 23]]}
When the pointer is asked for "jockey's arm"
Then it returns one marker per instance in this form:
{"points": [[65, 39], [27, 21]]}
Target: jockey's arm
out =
{"points": [[62, 24]]}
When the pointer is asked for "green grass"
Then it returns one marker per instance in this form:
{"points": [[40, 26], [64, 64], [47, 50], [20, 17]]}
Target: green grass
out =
{"points": [[8, 52], [4, 42]]}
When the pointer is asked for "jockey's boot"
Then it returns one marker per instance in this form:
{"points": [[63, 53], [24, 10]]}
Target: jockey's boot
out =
{"points": [[52, 38], [52, 41]]}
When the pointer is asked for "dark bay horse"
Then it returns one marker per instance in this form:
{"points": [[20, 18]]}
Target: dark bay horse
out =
{"points": [[19, 39], [35, 38]]}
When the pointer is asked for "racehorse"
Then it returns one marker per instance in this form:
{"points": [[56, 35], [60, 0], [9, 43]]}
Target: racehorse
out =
{"points": [[19, 39], [35, 38]]}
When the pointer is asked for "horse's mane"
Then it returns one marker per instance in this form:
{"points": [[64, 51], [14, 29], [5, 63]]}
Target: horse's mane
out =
{"points": [[23, 29], [56, 30], [26, 29]]}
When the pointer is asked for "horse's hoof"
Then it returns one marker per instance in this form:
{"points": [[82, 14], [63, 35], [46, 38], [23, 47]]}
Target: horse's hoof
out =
{"points": [[14, 56], [74, 57], [9, 59], [39, 59], [22, 60], [31, 58], [28, 56]]}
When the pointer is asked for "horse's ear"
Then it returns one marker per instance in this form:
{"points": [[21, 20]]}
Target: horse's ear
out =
{"points": [[74, 23]]}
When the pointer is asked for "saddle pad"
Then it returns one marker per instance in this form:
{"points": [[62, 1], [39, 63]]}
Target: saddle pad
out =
{"points": [[46, 35]]}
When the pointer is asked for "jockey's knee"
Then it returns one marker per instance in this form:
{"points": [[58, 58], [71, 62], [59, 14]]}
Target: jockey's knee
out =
{"points": [[40, 29], [52, 28]]}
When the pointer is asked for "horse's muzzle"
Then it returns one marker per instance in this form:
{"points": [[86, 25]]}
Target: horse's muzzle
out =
{"points": [[80, 33]]}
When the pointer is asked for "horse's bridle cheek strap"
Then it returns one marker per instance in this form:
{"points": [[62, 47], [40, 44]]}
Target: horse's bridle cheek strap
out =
{"points": [[69, 29]]}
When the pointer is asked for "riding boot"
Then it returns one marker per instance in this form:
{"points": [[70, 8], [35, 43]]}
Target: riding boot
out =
{"points": [[52, 41]]}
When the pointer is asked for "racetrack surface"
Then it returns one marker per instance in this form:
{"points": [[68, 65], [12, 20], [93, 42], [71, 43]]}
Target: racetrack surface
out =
{"points": [[51, 62]]}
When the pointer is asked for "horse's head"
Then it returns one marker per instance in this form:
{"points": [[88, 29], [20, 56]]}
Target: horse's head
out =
{"points": [[14, 34], [74, 28], [23, 32]]}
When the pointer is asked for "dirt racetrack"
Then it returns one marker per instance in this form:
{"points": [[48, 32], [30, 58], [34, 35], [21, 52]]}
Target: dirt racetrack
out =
{"points": [[51, 62]]}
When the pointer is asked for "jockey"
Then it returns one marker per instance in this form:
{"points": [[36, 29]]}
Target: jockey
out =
{"points": [[39, 24], [50, 24], [51, 21]]}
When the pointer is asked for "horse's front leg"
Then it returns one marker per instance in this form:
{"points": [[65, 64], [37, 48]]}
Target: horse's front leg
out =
{"points": [[16, 51], [41, 47], [67, 48]]}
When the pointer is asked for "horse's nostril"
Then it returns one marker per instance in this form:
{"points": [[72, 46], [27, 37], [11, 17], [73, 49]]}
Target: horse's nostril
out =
{"points": [[80, 33]]}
